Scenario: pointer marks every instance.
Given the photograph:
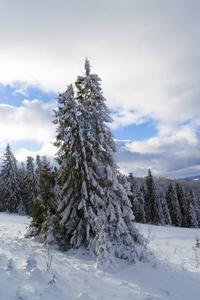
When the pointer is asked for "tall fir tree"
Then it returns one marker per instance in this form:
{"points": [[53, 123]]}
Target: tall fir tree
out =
{"points": [[95, 210], [71, 156], [137, 199], [184, 204], [165, 208], [193, 210], [153, 200], [10, 183], [31, 183], [46, 186], [57, 186], [2, 202], [193, 222], [45, 204], [173, 205], [38, 168], [22, 180]]}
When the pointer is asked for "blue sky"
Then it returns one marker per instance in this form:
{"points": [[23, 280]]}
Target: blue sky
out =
{"points": [[147, 55], [17, 92], [135, 132]]}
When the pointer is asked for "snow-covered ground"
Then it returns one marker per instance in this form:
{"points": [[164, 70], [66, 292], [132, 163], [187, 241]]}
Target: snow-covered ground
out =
{"points": [[175, 275]]}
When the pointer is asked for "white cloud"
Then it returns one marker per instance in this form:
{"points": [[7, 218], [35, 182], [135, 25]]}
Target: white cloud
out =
{"points": [[31, 121], [47, 149], [23, 89], [124, 118], [169, 156], [184, 137]]}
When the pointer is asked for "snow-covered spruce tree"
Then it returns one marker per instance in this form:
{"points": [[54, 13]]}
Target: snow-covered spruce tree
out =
{"points": [[46, 186], [193, 210], [57, 189], [95, 211], [10, 184], [184, 204], [2, 203], [154, 201], [71, 156], [173, 205], [137, 199], [45, 204], [38, 168], [193, 222], [165, 208], [31, 183], [22, 180]]}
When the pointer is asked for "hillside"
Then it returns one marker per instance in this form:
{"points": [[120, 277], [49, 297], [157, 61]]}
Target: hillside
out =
{"points": [[174, 273]]}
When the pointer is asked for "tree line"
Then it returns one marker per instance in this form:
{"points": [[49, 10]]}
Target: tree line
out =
{"points": [[86, 201], [162, 201], [22, 186]]}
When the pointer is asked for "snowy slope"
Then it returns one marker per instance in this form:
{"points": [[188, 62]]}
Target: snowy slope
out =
{"points": [[175, 275]]}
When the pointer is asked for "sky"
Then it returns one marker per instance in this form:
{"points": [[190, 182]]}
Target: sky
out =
{"points": [[147, 53]]}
